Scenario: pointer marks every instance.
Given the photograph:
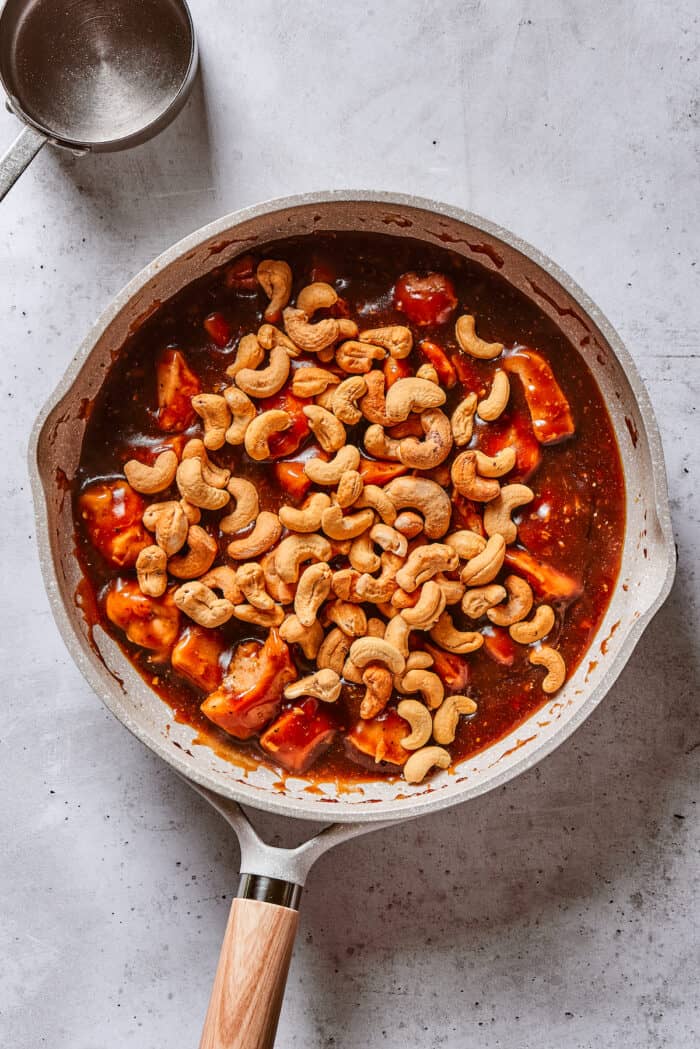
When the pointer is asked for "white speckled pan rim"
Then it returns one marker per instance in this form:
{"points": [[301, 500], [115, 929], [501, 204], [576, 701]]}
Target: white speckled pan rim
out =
{"points": [[663, 555]]}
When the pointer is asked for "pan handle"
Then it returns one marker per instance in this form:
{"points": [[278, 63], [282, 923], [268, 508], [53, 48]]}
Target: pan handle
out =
{"points": [[20, 154], [251, 975]]}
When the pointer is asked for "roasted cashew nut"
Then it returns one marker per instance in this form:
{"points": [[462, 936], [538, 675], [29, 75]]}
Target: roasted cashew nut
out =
{"points": [[151, 571], [278, 590], [345, 398], [373, 404], [202, 550], [245, 495], [451, 588], [462, 420], [467, 543], [518, 605], [424, 495], [486, 565], [316, 296], [251, 582], [379, 684], [270, 617], [275, 278], [418, 717], [223, 578], [376, 627], [497, 513], [333, 650], [344, 585], [379, 444], [357, 357], [265, 382], [424, 562], [428, 371], [467, 481], [446, 635], [395, 338], [216, 476], [397, 634], [547, 657], [309, 382], [309, 639], [308, 517], [389, 539], [348, 526], [169, 523], [151, 479], [428, 609], [349, 617], [270, 336], [295, 550], [213, 411], [419, 660], [309, 337], [377, 650], [242, 412], [328, 429], [191, 512], [194, 488], [412, 395], [261, 429], [427, 683], [491, 407], [362, 555], [329, 473], [469, 341], [202, 605], [446, 719], [479, 599], [377, 499], [409, 524], [435, 446], [349, 489], [495, 465], [264, 535], [422, 761], [528, 631], [325, 685], [249, 354], [314, 587]]}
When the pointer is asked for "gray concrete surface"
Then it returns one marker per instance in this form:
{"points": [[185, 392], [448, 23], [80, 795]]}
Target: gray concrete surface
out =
{"points": [[560, 911]]}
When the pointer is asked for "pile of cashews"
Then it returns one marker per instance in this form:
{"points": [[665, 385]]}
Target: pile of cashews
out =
{"points": [[396, 541]]}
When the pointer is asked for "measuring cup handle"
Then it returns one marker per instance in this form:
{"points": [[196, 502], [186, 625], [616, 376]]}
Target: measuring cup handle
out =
{"points": [[22, 151], [250, 979]]}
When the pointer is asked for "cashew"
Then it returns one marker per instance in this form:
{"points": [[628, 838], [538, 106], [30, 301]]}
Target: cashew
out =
{"points": [[345, 398], [497, 513], [469, 341], [419, 660], [309, 639], [261, 429], [328, 473], [362, 555], [434, 448], [452, 640], [191, 512], [424, 562], [275, 277], [376, 650], [333, 650], [397, 634], [202, 605], [269, 336], [242, 412], [328, 429], [295, 549], [418, 717], [547, 657], [412, 395], [427, 683], [151, 479], [169, 523], [495, 466], [264, 535], [249, 354], [309, 382], [251, 582], [314, 587], [264, 382], [349, 617], [376, 627], [356, 357], [424, 495], [377, 499], [216, 476], [379, 684], [223, 578], [202, 549], [427, 371], [451, 588], [518, 605], [337, 526], [446, 719], [308, 517], [376, 589], [395, 338], [246, 496], [151, 571], [373, 403], [389, 539], [422, 761], [466, 543], [213, 411], [379, 445], [268, 617], [195, 489], [462, 420], [478, 600], [495, 404], [309, 337], [409, 524], [349, 489], [486, 565], [428, 609], [325, 685], [528, 631], [344, 585], [278, 590], [316, 296], [347, 329], [467, 481]]}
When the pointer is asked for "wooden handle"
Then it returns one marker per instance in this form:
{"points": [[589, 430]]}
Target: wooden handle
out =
{"points": [[249, 984]]}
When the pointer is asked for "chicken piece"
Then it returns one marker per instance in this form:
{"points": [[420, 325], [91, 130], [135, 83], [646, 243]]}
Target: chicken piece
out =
{"points": [[177, 385], [549, 409], [376, 741], [151, 622], [112, 513], [513, 430], [298, 736], [425, 300], [548, 582], [251, 691], [499, 645], [452, 669], [197, 656]]}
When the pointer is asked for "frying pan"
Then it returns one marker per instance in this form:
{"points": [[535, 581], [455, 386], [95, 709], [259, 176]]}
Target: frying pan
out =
{"points": [[249, 982]]}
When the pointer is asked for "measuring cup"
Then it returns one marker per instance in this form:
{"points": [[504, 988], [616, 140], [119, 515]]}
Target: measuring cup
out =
{"points": [[92, 76]]}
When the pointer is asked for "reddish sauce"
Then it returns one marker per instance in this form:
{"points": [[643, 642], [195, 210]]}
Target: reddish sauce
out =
{"points": [[571, 534]]}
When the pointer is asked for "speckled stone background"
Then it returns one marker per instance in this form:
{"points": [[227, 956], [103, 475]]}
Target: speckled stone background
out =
{"points": [[559, 911]]}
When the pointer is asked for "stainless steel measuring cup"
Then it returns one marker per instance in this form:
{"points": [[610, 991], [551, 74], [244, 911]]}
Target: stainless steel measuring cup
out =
{"points": [[90, 75]]}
